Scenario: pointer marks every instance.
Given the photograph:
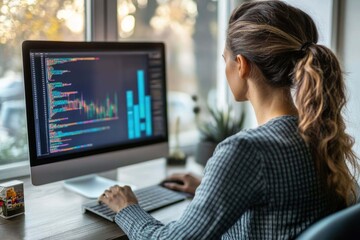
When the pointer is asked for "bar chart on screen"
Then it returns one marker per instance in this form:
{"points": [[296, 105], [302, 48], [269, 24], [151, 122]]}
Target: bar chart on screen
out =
{"points": [[139, 115]]}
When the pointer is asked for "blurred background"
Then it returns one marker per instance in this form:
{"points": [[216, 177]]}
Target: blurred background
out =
{"points": [[194, 33]]}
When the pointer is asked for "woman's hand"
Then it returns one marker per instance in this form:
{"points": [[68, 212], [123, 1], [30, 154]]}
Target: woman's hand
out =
{"points": [[189, 182], [118, 198]]}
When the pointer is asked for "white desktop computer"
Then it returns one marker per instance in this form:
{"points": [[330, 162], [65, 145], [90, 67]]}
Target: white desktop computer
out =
{"points": [[93, 107]]}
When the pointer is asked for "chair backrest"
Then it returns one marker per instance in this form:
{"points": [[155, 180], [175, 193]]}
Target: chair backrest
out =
{"points": [[344, 224]]}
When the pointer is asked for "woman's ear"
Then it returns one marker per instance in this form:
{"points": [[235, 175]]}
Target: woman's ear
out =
{"points": [[243, 66]]}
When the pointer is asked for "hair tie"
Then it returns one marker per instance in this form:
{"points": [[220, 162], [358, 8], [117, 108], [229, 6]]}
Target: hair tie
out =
{"points": [[305, 46]]}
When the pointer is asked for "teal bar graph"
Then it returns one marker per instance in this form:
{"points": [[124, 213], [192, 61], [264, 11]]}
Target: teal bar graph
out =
{"points": [[148, 123], [137, 121], [139, 114], [141, 92], [130, 113]]}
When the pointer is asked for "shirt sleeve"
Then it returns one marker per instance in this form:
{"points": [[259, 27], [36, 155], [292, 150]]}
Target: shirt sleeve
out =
{"points": [[233, 182]]}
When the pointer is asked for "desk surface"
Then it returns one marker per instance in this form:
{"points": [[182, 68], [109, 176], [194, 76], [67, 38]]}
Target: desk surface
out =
{"points": [[51, 211]]}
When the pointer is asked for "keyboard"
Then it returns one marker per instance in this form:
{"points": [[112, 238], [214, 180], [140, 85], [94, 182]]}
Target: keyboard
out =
{"points": [[149, 198]]}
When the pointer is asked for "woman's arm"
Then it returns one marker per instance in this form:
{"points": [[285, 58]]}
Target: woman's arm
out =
{"points": [[232, 182], [183, 182]]}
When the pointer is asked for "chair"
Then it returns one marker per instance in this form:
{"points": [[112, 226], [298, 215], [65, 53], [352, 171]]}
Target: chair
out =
{"points": [[344, 224]]}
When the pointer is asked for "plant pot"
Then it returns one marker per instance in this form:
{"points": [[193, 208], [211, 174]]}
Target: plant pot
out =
{"points": [[204, 151]]}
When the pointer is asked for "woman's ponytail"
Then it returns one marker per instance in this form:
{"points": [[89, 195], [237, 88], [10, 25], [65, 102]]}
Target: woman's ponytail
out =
{"points": [[320, 98], [280, 41]]}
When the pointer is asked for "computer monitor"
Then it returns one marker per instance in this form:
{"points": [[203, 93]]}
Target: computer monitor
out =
{"points": [[93, 107]]}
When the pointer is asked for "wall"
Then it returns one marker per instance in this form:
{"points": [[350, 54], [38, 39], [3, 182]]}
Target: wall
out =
{"points": [[349, 51]]}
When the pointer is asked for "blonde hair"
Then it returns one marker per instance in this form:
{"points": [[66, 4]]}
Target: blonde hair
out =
{"points": [[280, 41]]}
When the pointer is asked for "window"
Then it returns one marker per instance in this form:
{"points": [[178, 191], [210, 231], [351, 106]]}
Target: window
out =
{"points": [[188, 27], [25, 20], [189, 30]]}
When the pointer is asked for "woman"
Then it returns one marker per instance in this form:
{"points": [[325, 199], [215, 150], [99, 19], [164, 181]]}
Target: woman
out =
{"points": [[273, 181]]}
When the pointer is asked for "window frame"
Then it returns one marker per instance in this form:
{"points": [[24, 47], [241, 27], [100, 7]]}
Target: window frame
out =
{"points": [[101, 25], [22, 168]]}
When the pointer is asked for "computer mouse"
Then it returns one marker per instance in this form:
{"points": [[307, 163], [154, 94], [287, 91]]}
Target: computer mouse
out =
{"points": [[171, 181]]}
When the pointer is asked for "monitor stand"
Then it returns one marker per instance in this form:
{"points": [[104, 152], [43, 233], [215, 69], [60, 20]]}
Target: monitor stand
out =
{"points": [[91, 186]]}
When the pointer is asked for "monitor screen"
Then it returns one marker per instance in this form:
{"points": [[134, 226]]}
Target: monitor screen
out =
{"points": [[93, 106]]}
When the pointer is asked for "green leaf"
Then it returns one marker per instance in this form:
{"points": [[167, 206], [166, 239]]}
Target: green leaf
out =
{"points": [[220, 124]]}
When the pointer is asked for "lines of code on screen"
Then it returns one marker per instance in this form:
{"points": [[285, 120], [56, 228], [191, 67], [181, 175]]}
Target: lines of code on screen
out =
{"points": [[90, 100]]}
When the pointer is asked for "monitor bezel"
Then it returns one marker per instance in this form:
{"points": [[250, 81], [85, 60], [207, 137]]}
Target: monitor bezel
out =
{"points": [[58, 46]]}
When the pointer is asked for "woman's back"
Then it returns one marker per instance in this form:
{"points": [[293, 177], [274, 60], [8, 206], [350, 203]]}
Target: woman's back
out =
{"points": [[293, 197]]}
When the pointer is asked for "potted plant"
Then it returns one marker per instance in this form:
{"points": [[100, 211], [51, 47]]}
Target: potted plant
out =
{"points": [[219, 124]]}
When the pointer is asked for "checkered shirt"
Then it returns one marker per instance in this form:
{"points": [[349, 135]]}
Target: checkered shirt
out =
{"points": [[260, 184]]}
